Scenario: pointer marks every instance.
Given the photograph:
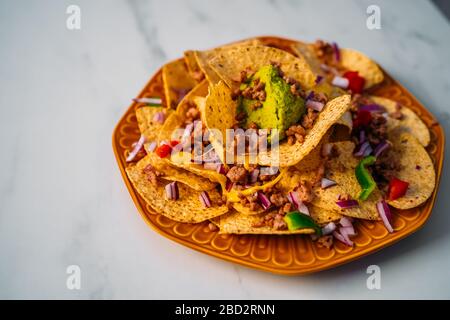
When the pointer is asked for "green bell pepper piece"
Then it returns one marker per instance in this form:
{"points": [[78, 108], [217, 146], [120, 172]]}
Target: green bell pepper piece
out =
{"points": [[296, 220], [364, 177]]}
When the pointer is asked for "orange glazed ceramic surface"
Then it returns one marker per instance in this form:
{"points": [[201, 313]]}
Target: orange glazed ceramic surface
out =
{"points": [[293, 254]]}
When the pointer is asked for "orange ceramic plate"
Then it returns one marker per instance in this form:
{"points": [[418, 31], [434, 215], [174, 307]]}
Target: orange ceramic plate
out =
{"points": [[295, 254]]}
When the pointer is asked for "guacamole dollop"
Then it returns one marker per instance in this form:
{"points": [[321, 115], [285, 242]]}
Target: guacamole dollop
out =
{"points": [[281, 108]]}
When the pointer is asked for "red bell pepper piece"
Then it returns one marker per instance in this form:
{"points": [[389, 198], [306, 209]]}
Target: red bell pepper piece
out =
{"points": [[363, 118], [355, 81], [163, 150], [397, 188]]}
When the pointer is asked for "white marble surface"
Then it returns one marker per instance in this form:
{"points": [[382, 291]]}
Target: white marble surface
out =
{"points": [[62, 200]]}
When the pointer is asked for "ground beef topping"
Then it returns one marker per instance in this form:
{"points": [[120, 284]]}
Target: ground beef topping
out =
{"points": [[237, 174], [385, 168], [280, 207], [305, 192], [295, 133], [272, 220], [376, 130], [309, 118]]}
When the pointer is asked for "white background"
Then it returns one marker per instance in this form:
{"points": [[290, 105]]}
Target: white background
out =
{"points": [[62, 200]]}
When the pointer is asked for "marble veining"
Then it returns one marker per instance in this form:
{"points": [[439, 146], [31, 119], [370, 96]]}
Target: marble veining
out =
{"points": [[62, 199]]}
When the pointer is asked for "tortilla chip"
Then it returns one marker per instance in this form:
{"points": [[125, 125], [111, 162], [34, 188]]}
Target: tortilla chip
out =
{"points": [[198, 169], [417, 170], [239, 207], [410, 122], [177, 82], [188, 208], [200, 102], [292, 154], [148, 127], [235, 222], [192, 65], [171, 173], [323, 216], [350, 60], [177, 120], [307, 51], [204, 57], [342, 171], [220, 113], [229, 64]]}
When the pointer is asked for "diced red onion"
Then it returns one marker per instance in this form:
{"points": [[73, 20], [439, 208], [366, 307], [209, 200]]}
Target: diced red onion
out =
{"points": [[372, 107], [172, 191], [340, 82], [310, 95], [344, 233], [368, 151], [325, 183], [337, 52], [229, 185], [152, 146], [362, 149], [148, 100], [294, 198], [326, 149], [381, 147], [221, 169], [346, 204], [385, 214], [362, 137], [254, 175], [303, 208], [328, 228], [159, 117], [319, 79], [264, 201], [347, 231], [345, 222], [315, 105], [137, 147], [205, 200], [342, 239]]}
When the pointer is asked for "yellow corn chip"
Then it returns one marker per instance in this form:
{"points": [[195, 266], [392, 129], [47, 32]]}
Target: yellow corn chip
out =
{"points": [[410, 121], [417, 170], [177, 82], [188, 208]]}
